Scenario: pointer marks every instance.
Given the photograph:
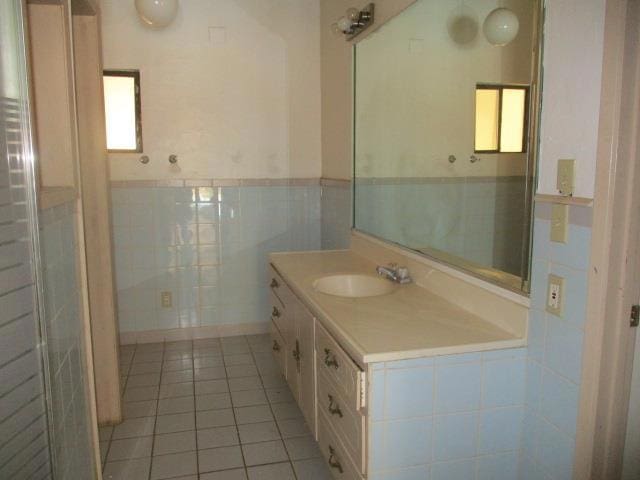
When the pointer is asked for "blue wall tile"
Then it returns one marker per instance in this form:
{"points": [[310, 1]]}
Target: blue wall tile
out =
{"points": [[504, 382], [555, 353], [500, 430], [498, 467], [458, 388], [409, 393], [563, 351], [458, 470], [556, 451], [455, 436], [407, 442], [230, 228], [559, 400]]}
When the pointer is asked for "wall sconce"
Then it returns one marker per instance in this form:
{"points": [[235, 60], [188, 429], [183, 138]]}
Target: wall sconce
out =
{"points": [[157, 13], [354, 22], [501, 27]]}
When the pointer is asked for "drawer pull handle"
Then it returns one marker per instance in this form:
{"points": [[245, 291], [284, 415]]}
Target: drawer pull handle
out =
{"points": [[297, 355], [274, 283], [330, 359], [334, 409], [333, 461], [276, 346], [275, 312]]}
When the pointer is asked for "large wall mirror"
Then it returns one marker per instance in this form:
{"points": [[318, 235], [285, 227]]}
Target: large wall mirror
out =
{"points": [[445, 133]]}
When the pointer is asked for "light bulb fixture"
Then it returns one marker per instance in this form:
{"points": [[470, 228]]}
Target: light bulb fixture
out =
{"points": [[501, 27], [157, 13], [354, 22]]}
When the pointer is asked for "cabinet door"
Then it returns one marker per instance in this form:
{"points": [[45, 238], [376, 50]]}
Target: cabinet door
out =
{"points": [[307, 366], [292, 361]]}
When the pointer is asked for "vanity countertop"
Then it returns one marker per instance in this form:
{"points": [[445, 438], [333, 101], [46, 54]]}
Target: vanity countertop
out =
{"points": [[410, 322]]}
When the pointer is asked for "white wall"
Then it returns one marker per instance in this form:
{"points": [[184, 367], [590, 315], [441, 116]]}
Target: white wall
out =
{"points": [[573, 48], [415, 92], [239, 101]]}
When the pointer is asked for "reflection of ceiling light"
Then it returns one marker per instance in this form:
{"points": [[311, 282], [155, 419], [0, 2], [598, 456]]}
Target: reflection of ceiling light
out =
{"points": [[501, 27], [157, 13], [354, 22]]}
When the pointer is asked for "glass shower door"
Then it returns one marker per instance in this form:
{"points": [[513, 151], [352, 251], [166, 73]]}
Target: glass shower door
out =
{"points": [[24, 434]]}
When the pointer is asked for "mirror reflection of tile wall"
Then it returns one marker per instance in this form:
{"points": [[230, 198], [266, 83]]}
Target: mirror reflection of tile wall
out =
{"points": [[419, 180]]}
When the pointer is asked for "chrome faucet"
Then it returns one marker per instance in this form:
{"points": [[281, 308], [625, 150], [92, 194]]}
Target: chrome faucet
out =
{"points": [[394, 273]]}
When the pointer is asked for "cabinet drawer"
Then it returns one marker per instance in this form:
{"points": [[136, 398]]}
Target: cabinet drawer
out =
{"points": [[280, 317], [340, 465], [279, 348], [333, 361], [278, 287], [348, 424]]}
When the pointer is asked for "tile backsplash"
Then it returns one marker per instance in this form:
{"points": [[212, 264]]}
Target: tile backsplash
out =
{"points": [[207, 247], [555, 349], [336, 215]]}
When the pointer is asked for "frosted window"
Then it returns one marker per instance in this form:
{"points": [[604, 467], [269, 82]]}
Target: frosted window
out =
{"points": [[122, 111]]}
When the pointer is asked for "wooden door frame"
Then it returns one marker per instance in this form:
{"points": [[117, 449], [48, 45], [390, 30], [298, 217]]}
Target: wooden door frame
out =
{"points": [[614, 281]]}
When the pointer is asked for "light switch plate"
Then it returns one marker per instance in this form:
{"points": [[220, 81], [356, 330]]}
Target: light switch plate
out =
{"points": [[559, 222], [555, 295], [566, 177]]}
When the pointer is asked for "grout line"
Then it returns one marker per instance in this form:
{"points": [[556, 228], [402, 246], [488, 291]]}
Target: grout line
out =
{"points": [[233, 411], [195, 411], [155, 419], [272, 412]]}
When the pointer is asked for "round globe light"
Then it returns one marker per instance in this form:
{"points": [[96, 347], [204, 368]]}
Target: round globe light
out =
{"points": [[501, 26], [345, 24], [157, 13]]}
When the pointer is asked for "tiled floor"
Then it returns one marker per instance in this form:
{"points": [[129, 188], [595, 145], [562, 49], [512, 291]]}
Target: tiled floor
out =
{"points": [[211, 409]]}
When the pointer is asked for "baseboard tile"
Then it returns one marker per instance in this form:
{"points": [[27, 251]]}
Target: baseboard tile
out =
{"points": [[191, 333]]}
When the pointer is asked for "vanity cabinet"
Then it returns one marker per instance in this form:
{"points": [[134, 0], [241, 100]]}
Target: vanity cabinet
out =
{"points": [[320, 374], [292, 333]]}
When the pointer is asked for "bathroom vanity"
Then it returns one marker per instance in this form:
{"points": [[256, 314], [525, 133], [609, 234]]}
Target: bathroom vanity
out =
{"points": [[388, 376]]}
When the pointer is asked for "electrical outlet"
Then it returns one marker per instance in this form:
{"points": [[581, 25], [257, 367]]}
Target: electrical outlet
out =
{"points": [[566, 177], [555, 295], [166, 299], [559, 222]]}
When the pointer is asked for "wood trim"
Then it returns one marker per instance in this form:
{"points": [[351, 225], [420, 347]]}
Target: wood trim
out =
{"points": [[335, 182], [614, 282], [578, 201], [94, 174]]}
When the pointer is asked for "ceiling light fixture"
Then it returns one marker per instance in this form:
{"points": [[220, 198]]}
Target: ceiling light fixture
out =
{"points": [[501, 27], [354, 22], [157, 13]]}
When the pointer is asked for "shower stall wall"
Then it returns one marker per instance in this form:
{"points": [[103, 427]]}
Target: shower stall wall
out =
{"points": [[46, 415]]}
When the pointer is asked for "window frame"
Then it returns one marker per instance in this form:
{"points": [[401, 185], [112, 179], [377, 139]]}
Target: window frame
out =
{"points": [[135, 74], [500, 87]]}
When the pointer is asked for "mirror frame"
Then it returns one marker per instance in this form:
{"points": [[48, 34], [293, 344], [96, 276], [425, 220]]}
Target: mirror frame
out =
{"points": [[499, 278]]}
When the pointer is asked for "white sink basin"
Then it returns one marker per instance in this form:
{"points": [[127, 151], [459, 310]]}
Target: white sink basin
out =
{"points": [[354, 285]]}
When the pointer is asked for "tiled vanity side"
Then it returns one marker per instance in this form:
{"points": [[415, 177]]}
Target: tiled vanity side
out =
{"points": [[453, 416]]}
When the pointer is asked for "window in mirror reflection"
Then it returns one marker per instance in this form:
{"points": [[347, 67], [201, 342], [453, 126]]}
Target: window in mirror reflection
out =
{"points": [[501, 116]]}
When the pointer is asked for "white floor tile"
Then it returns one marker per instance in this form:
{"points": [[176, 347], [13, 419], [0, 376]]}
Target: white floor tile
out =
{"points": [[224, 458], [263, 453]]}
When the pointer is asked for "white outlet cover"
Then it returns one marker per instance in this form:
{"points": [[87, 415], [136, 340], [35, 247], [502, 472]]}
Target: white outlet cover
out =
{"points": [[555, 294]]}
